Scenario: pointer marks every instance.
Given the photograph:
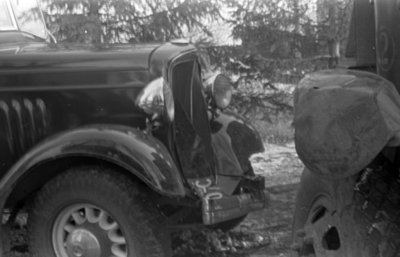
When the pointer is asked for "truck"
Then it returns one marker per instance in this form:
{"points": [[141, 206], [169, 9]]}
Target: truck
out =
{"points": [[347, 133], [109, 148]]}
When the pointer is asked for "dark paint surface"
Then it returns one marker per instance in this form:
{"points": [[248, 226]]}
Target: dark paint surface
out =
{"points": [[387, 30], [235, 140], [124, 146], [47, 89], [192, 134], [80, 100]]}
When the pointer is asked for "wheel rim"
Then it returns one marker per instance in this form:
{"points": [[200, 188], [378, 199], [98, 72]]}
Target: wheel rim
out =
{"points": [[89, 231], [324, 231]]}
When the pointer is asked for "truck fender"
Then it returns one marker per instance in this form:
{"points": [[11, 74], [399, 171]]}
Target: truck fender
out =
{"points": [[230, 131], [139, 153], [343, 119]]}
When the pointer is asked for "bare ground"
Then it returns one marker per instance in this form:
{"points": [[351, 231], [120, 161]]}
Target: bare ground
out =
{"points": [[264, 233]]}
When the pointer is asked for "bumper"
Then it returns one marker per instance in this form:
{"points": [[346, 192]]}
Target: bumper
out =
{"points": [[219, 209]]}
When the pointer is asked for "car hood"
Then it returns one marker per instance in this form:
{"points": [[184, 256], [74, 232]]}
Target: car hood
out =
{"points": [[69, 57]]}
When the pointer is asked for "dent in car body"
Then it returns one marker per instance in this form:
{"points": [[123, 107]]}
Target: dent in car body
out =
{"points": [[231, 132]]}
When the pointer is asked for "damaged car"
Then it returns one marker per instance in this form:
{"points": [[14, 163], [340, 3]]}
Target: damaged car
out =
{"points": [[110, 147]]}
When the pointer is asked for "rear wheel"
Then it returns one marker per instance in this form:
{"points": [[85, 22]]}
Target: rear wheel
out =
{"points": [[357, 216], [96, 212]]}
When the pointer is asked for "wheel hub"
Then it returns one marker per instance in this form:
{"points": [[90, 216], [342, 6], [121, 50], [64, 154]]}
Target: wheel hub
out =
{"points": [[84, 230], [81, 242]]}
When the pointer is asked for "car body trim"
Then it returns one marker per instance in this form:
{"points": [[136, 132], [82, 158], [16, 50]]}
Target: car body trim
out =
{"points": [[11, 12], [68, 87]]}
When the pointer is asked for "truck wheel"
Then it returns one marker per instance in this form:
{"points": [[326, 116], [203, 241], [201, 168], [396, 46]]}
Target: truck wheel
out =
{"points": [[352, 217], [92, 211]]}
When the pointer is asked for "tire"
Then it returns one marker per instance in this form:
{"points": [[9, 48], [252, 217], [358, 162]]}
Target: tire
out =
{"points": [[112, 216], [356, 216]]}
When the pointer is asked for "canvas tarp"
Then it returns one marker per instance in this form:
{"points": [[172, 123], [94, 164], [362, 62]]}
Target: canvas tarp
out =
{"points": [[343, 119]]}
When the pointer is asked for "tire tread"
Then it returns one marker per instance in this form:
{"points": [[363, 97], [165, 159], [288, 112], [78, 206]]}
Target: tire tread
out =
{"points": [[124, 192]]}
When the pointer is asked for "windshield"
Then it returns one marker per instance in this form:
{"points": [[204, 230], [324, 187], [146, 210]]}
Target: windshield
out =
{"points": [[6, 22], [27, 15]]}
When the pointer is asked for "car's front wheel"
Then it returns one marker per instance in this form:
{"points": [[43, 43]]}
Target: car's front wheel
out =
{"points": [[356, 216], [95, 212]]}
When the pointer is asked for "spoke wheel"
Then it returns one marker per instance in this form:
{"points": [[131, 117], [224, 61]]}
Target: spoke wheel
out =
{"points": [[324, 232], [86, 230], [96, 212]]}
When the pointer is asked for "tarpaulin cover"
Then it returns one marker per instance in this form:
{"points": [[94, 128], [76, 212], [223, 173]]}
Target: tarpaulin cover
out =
{"points": [[343, 119]]}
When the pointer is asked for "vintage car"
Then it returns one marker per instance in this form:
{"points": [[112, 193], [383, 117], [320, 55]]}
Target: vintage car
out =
{"points": [[109, 147]]}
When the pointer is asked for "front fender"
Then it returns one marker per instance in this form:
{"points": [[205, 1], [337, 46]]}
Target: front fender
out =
{"points": [[135, 151], [231, 132], [343, 119]]}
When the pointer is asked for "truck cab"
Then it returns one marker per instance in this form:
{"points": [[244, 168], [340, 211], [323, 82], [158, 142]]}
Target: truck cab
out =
{"points": [[347, 124]]}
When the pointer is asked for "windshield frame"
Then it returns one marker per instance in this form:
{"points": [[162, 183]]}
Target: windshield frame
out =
{"points": [[14, 25]]}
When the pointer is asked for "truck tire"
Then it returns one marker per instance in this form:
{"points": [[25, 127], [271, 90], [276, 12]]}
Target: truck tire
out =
{"points": [[93, 211], [357, 216]]}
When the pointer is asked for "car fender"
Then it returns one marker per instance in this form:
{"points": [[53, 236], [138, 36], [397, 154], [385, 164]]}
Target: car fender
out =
{"points": [[137, 152], [230, 131]]}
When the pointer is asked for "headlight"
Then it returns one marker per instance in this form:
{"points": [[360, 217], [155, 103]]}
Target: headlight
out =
{"points": [[219, 86], [156, 98]]}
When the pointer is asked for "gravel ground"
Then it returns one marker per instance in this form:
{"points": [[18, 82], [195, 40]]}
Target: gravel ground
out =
{"points": [[261, 234]]}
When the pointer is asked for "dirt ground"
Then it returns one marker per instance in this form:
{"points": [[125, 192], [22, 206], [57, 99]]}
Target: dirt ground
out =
{"points": [[264, 233], [282, 169]]}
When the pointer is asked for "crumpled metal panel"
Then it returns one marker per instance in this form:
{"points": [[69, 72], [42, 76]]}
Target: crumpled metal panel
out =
{"points": [[234, 140], [343, 119]]}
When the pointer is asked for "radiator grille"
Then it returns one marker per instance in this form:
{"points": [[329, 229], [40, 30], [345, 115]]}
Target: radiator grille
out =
{"points": [[192, 130]]}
